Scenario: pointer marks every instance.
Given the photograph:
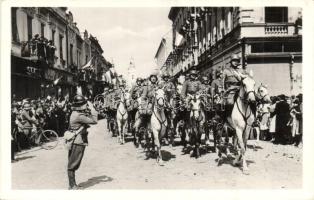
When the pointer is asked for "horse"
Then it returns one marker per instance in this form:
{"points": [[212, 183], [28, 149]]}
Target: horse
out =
{"points": [[122, 116], [178, 113], [197, 121], [262, 98], [158, 122], [242, 118]]}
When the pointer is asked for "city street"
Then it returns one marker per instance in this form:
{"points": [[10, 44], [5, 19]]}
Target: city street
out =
{"points": [[109, 165]]}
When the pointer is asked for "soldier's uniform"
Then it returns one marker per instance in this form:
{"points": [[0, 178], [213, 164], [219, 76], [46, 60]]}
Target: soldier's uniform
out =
{"points": [[217, 90], [191, 86], [146, 103], [217, 84], [169, 89], [137, 90], [232, 79], [79, 121], [205, 85]]}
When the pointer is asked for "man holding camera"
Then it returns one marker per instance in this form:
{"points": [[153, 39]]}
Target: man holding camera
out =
{"points": [[82, 116]]}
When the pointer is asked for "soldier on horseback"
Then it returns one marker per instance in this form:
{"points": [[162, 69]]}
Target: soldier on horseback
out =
{"points": [[149, 92], [169, 89], [217, 90], [205, 84], [137, 90], [232, 79], [146, 103], [190, 86]]}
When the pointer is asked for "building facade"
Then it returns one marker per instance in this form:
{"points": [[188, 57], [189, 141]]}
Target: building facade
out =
{"points": [[268, 39], [47, 52], [163, 56]]}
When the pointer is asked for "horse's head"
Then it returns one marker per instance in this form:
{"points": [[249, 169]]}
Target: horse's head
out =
{"points": [[195, 104], [160, 97], [248, 85], [126, 97], [262, 94]]}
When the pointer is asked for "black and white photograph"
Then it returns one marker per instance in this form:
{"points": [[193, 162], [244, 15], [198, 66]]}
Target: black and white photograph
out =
{"points": [[164, 97]]}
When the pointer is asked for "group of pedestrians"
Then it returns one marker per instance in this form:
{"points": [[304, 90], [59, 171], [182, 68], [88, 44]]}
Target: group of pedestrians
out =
{"points": [[281, 120], [28, 115]]}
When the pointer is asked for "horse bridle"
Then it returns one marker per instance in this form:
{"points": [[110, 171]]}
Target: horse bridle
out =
{"points": [[159, 108], [124, 103]]}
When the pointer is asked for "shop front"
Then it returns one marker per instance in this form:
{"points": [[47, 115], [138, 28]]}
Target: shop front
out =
{"points": [[26, 76], [59, 83]]}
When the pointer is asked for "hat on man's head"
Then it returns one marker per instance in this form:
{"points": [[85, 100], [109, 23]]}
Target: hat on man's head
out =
{"points": [[78, 101], [151, 76], [235, 57], [193, 72], [300, 97], [27, 106]]}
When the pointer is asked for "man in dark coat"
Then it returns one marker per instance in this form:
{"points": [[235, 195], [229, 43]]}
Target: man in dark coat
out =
{"points": [[282, 111], [80, 120]]}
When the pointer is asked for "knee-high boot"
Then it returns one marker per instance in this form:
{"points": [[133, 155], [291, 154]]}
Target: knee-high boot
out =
{"points": [[72, 182], [71, 177]]}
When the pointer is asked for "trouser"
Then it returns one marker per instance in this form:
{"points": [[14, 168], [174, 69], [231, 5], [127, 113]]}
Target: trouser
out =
{"points": [[75, 156], [13, 149]]}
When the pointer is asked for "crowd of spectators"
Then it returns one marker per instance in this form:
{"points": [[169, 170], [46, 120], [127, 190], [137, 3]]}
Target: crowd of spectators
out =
{"points": [[27, 116], [281, 121]]}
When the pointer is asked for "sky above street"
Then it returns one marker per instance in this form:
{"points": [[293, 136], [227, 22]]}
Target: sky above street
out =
{"points": [[126, 32]]}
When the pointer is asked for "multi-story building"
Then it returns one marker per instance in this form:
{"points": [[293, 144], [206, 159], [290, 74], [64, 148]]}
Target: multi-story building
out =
{"points": [[163, 56], [268, 39], [47, 52]]}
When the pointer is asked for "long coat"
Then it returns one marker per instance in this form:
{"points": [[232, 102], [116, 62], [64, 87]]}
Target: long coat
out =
{"points": [[282, 112]]}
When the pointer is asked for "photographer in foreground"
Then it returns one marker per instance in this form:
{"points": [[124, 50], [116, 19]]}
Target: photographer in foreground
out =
{"points": [[83, 114]]}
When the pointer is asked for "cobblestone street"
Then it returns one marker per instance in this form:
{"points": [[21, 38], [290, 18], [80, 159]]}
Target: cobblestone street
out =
{"points": [[109, 165]]}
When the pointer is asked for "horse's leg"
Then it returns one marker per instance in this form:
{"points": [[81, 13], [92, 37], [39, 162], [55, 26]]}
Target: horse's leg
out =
{"points": [[158, 146], [124, 128], [119, 128], [241, 151], [245, 139], [227, 141], [257, 137]]}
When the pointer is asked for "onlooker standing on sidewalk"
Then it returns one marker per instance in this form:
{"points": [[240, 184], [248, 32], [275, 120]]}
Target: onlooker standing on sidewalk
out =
{"points": [[28, 122], [294, 122], [272, 118], [79, 121], [282, 112], [264, 123]]}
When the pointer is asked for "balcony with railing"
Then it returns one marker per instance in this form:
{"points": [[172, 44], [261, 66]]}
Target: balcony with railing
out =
{"points": [[270, 30], [39, 50], [276, 29]]}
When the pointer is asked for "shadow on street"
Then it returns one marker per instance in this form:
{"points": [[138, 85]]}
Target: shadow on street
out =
{"points": [[95, 180], [24, 158]]}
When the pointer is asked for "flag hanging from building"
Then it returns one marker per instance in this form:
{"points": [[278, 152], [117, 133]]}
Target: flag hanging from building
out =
{"points": [[55, 82], [179, 39], [89, 65]]}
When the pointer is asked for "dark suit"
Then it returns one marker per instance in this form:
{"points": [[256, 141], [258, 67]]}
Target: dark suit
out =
{"points": [[282, 111]]}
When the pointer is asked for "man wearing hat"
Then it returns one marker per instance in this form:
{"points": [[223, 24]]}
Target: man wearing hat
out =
{"points": [[205, 84], [232, 79], [146, 104], [137, 90], [149, 90], [80, 120], [217, 84], [169, 89], [190, 86], [28, 121]]}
